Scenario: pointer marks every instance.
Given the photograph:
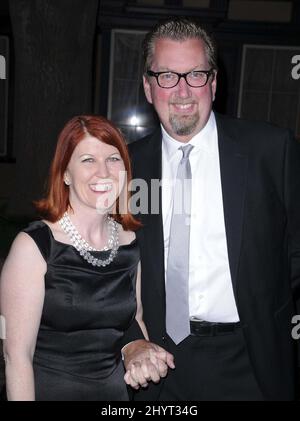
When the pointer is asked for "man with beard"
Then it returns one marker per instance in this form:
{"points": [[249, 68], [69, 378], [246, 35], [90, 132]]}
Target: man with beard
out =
{"points": [[221, 257]]}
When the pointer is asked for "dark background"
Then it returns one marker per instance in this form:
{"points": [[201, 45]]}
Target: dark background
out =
{"points": [[68, 57]]}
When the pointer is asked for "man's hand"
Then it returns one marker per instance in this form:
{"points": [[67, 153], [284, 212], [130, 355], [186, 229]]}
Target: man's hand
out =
{"points": [[144, 362]]}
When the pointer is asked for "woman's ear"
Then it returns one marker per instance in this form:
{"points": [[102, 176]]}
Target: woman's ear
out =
{"points": [[67, 180]]}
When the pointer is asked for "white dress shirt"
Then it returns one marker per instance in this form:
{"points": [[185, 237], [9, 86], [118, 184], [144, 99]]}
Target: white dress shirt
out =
{"points": [[210, 288]]}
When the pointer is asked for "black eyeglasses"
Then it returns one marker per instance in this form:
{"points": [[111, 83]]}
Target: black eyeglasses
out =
{"points": [[195, 78]]}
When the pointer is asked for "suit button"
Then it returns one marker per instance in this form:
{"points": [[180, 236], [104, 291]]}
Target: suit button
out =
{"points": [[163, 338]]}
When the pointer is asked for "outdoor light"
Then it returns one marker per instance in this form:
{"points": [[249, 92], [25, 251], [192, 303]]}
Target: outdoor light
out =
{"points": [[134, 121]]}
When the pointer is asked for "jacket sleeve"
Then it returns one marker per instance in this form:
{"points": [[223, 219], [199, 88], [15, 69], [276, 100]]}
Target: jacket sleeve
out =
{"points": [[132, 333]]}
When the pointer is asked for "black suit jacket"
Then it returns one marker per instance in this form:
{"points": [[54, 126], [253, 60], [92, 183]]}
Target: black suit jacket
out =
{"points": [[260, 176]]}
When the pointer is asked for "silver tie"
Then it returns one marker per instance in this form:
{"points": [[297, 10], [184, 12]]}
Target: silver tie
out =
{"points": [[177, 283]]}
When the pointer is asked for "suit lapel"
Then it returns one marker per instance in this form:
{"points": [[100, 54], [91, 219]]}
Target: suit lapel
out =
{"points": [[154, 238], [233, 166]]}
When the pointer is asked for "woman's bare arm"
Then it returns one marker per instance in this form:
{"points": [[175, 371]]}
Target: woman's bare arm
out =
{"points": [[21, 301]]}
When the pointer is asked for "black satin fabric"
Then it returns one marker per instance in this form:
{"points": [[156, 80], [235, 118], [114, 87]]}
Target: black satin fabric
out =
{"points": [[86, 311]]}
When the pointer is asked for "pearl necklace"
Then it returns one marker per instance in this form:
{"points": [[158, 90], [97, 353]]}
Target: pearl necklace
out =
{"points": [[83, 246]]}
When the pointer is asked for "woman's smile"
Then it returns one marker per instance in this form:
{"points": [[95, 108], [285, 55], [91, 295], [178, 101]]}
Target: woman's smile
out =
{"points": [[101, 187]]}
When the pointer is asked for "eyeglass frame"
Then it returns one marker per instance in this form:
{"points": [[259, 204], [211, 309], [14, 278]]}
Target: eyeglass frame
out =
{"points": [[208, 73]]}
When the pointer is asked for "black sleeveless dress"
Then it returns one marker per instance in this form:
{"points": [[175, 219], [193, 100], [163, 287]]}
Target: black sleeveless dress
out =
{"points": [[86, 311]]}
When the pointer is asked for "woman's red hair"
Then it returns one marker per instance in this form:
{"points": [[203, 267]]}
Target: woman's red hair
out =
{"points": [[57, 202]]}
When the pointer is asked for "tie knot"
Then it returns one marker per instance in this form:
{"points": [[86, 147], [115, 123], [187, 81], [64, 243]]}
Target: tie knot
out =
{"points": [[186, 150]]}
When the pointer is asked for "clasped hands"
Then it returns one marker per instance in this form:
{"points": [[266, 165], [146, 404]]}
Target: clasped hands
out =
{"points": [[144, 362]]}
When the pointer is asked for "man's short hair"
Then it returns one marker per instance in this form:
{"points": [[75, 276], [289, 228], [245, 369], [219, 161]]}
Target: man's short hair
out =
{"points": [[178, 29]]}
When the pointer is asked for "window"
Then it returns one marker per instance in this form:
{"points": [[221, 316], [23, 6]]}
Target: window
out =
{"points": [[127, 105], [268, 89]]}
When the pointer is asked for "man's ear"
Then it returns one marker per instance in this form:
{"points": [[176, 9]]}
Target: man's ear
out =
{"points": [[147, 89]]}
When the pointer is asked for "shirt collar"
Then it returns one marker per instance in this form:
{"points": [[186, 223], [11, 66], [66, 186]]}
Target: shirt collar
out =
{"points": [[204, 140]]}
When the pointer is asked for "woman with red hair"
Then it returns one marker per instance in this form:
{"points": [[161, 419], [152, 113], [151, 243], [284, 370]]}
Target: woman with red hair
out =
{"points": [[70, 285]]}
